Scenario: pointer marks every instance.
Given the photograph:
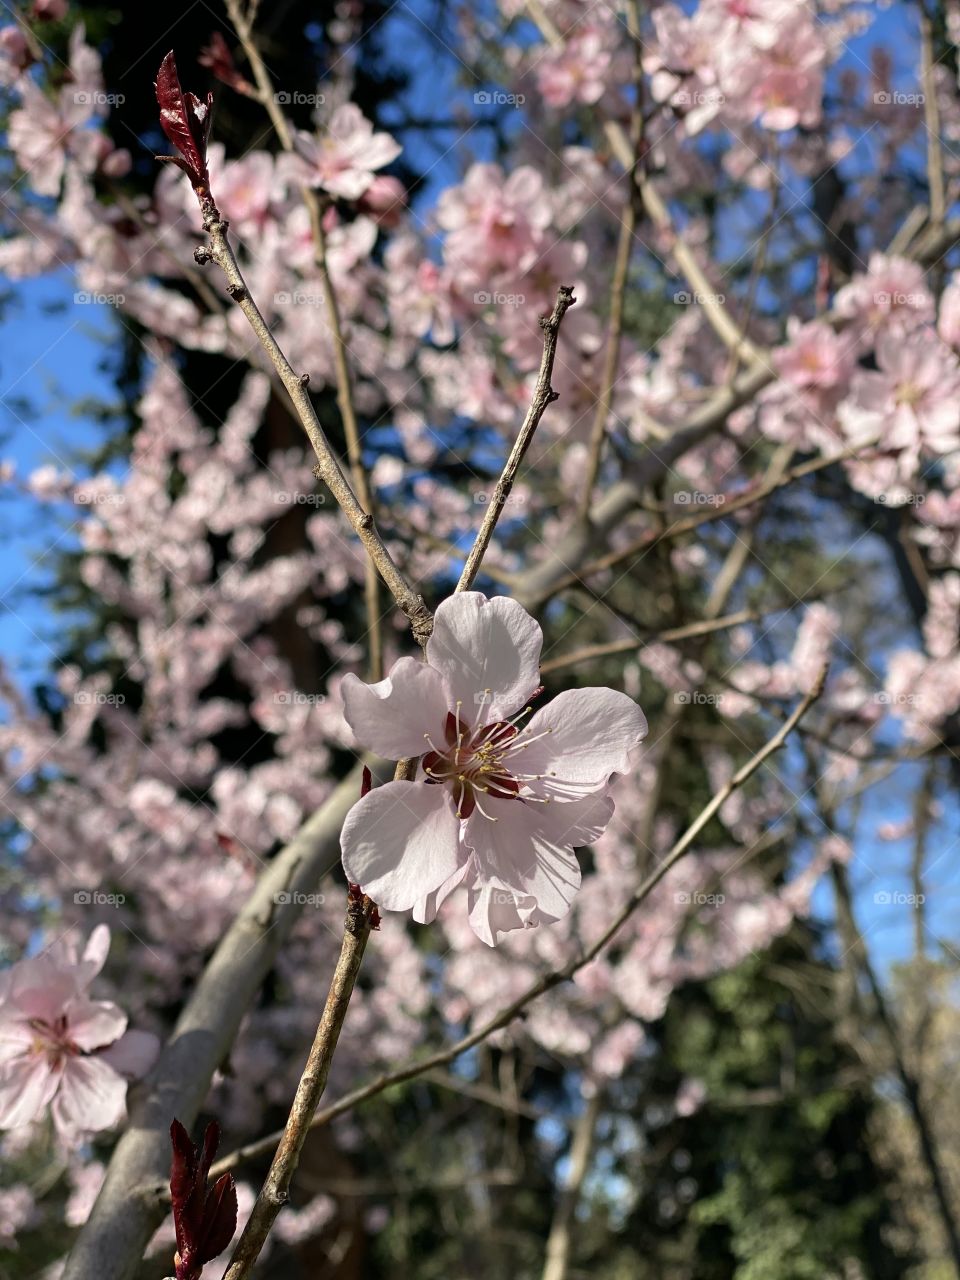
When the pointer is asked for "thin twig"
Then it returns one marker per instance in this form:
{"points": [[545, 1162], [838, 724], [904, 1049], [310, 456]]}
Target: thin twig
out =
{"points": [[543, 395], [686, 525], [618, 284], [276, 1189], [557, 976], [560, 1239], [611, 647], [931, 117], [328, 468], [345, 401]]}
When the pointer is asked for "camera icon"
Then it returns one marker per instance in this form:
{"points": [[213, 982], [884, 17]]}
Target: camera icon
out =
{"points": [[82, 298], [83, 897], [682, 298], [282, 899], [682, 899], [682, 698], [282, 99], [281, 299], [482, 299], [883, 99], [682, 497], [882, 899], [285, 697], [83, 99], [483, 98]]}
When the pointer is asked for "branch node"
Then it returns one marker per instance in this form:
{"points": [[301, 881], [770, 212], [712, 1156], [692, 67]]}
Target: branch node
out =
{"points": [[366, 521], [237, 292], [202, 255], [304, 379]]}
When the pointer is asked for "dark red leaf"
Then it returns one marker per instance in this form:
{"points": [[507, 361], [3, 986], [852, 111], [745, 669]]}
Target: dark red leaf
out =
{"points": [[366, 781], [204, 1220], [220, 1219], [218, 58], [186, 122]]}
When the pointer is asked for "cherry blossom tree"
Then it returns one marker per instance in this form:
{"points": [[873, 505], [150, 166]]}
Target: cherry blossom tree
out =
{"points": [[649, 413]]}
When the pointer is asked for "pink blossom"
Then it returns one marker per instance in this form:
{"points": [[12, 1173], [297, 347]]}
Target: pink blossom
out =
{"points": [[683, 69], [344, 158], [494, 223], [61, 1049], [499, 807], [910, 402], [44, 133], [892, 294], [781, 86], [15, 54], [815, 358], [577, 70], [760, 21]]}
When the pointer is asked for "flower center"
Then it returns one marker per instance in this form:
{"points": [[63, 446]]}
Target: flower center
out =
{"points": [[481, 761], [53, 1040]]}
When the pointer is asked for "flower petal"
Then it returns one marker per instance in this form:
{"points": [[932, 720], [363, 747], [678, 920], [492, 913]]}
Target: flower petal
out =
{"points": [[592, 735], [425, 912], [133, 1055], [26, 1086], [526, 871], [392, 717], [92, 1024], [401, 842], [91, 1097], [488, 652]]}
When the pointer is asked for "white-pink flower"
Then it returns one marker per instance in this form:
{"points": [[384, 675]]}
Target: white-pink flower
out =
{"points": [[59, 1048], [500, 804], [344, 159], [912, 400]]}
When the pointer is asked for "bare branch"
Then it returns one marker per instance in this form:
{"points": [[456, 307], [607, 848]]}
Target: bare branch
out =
{"points": [[276, 1189], [543, 395]]}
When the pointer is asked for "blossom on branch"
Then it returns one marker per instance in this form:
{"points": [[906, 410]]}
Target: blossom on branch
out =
{"points": [[501, 802], [343, 161], [59, 1047]]}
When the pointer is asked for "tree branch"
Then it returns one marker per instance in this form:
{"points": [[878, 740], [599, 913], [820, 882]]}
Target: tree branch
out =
{"points": [[543, 395]]}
